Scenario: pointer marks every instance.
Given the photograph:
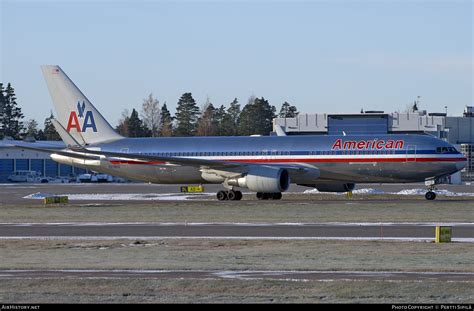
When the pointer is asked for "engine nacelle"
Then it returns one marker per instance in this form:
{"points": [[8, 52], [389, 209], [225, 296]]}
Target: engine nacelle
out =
{"points": [[263, 179], [332, 187]]}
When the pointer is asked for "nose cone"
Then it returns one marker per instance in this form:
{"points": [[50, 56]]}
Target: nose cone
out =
{"points": [[461, 164]]}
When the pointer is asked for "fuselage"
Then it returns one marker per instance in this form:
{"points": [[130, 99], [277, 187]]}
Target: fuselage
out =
{"points": [[351, 158]]}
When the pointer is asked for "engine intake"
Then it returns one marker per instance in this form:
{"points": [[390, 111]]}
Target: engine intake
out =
{"points": [[263, 179]]}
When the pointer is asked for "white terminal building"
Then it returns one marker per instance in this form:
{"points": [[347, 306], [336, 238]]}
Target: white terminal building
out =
{"points": [[457, 130]]}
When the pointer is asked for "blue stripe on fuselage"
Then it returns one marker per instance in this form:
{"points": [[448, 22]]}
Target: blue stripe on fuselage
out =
{"points": [[274, 145]]}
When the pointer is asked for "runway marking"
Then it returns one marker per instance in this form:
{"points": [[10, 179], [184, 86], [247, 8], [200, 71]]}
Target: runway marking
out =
{"points": [[157, 238], [286, 275], [243, 224], [414, 232]]}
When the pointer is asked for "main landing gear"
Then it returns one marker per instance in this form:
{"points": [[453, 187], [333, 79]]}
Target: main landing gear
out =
{"points": [[430, 195], [230, 195], [269, 196]]}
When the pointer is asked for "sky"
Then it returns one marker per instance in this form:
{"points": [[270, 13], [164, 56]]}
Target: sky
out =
{"points": [[321, 56]]}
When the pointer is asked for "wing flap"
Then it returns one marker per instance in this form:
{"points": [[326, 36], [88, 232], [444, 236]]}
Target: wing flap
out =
{"points": [[171, 160], [219, 167]]}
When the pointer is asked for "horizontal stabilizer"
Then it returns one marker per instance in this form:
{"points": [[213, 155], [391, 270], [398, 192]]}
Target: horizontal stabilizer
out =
{"points": [[76, 155]]}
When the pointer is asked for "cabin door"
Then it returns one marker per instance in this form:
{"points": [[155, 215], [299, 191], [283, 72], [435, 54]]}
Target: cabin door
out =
{"points": [[411, 153]]}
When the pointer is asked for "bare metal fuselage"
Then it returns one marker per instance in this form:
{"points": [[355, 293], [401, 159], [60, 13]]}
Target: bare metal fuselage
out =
{"points": [[417, 159]]}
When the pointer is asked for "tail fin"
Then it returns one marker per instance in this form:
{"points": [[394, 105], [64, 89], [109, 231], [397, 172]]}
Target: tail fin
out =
{"points": [[65, 136], [75, 113]]}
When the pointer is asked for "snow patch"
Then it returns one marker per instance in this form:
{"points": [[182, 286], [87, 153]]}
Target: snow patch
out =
{"points": [[411, 192], [401, 192], [368, 191], [122, 196]]}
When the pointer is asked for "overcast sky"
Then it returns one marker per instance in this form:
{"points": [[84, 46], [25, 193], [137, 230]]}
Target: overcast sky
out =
{"points": [[322, 56]]}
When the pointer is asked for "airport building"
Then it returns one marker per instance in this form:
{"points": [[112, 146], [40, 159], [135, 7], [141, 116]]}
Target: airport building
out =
{"points": [[14, 160], [458, 131]]}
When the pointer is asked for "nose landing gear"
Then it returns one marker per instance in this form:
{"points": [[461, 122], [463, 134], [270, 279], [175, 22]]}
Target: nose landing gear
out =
{"points": [[431, 184], [430, 195]]}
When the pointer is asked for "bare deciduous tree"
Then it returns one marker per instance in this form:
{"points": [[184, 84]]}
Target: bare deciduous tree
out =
{"points": [[151, 114]]}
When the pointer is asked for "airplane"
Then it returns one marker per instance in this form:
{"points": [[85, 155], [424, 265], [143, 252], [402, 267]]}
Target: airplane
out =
{"points": [[262, 164]]}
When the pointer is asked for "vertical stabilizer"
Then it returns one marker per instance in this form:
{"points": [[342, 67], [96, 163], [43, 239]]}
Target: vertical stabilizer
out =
{"points": [[75, 113]]}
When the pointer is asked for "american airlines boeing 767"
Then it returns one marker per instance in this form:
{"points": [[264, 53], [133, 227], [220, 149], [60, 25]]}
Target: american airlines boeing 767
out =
{"points": [[262, 164]]}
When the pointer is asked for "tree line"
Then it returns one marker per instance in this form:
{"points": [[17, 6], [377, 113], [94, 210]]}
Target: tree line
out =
{"points": [[155, 120], [11, 119]]}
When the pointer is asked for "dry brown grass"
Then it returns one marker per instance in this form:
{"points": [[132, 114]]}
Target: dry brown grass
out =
{"points": [[237, 255], [247, 211], [237, 291]]}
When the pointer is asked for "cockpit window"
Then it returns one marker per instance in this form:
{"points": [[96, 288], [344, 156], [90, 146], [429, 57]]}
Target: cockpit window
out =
{"points": [[446, 150]]}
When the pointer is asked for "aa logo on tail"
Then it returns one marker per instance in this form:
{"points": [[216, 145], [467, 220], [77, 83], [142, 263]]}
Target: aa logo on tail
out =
{"points": [[87, 120]]}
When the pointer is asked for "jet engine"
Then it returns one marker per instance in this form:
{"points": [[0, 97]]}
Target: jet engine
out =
{"points": [[264, 179], [332, 187]]}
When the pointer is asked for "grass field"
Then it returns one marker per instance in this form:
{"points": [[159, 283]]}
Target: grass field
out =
{"points": [[201, 254], [306, 211], [228, 291], [235, 255]]}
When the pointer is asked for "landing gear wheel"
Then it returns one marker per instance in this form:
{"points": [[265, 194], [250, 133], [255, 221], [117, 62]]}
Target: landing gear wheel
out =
{"points": [[231, 195], [276, 196], [430, 195], [238, 195], [222, 195], [269, 196]]}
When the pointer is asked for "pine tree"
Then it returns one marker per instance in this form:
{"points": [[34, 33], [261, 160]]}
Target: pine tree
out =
{"points": [[166, 122], [219, 116], [122, 127], [11, 115], [41, 135], [187, 113], [207, 123], [31, 130], [136, 128], [287, 111], [49, 132], [2, 105], [230, 121], [257, 118]]}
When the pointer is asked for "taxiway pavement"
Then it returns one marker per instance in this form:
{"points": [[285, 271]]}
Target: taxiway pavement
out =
{"points": [[349, 231], [239, 275]]}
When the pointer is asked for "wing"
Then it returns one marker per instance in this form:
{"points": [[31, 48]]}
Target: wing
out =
{"points": [[203, 164]]}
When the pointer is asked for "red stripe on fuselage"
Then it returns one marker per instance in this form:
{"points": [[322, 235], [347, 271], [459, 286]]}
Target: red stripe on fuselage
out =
{"points": [[310, 160], [136, 162], [353, 160]]}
